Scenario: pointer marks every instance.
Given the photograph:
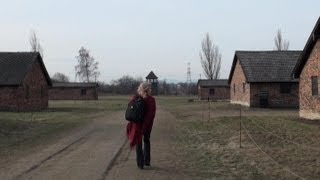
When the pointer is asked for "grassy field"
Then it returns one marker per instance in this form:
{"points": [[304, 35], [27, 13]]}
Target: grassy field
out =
{"points": [[24, 129], [276, 144]]}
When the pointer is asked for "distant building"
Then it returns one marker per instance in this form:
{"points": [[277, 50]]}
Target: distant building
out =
{"points": [[263, 79], [218, 89], [308, 70], [24, 81], [153, 80], [73, 91]]}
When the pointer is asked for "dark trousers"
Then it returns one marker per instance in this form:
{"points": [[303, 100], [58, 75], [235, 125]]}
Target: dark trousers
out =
{"points": [[143, 155]]}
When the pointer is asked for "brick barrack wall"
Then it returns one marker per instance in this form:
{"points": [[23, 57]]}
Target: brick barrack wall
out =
{"points": [[63, 93], [220, 93], [13, 98], [237, 96], [276, 99], [310, 105]]}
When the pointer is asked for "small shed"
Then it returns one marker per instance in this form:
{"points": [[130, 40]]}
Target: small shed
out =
{"points": [[74, 91], [214, 89], [153, 80], [308, 72], [24, 81]]}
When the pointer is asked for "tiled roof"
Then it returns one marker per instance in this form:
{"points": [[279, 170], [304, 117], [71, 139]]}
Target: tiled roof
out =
{"points": [[14, 66], [151, 75], [213, 82], [313, 38], [266, 66], [74, 84]]}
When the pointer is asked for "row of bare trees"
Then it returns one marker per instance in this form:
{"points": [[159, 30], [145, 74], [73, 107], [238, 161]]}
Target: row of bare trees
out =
{"points": [[210, 55], [60, 77], [128, 85]]}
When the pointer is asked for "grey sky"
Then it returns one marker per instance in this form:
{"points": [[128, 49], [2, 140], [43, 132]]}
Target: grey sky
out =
{"points": [[133, 37]]}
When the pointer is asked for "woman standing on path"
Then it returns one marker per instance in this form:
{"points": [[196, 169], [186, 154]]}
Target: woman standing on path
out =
{"points": [[135, 131]]}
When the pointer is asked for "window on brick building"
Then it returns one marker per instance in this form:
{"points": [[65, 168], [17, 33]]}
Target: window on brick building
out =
{"points": [[83, 91], [244, 87], [27, 93], [285, 88], [314, 82], [234, 88], [211, 92]]}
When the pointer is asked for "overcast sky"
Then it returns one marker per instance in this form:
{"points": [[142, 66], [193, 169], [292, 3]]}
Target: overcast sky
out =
{"points": [[133, 37]]}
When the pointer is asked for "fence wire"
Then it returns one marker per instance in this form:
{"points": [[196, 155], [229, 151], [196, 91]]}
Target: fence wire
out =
{"points": [[266, 154], [284, 139]]}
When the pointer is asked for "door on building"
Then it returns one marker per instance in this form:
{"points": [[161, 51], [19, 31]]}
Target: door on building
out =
{"points": [[263, 99]]}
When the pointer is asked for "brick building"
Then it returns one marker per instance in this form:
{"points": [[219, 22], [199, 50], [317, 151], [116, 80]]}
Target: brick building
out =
{"points": [[308, 72], [263, 79], [218, 89], [73, 91], [24, 81]]}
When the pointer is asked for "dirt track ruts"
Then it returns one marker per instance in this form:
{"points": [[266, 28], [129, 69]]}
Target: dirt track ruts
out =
{"points": [[84, 153], [74, 143]]}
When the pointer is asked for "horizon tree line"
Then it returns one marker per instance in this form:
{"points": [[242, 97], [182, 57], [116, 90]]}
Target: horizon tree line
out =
{"points": [[86, 69]]}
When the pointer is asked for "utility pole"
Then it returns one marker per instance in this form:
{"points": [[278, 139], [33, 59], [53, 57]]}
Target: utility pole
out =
{"points": [[240, 126], [188, 78]]}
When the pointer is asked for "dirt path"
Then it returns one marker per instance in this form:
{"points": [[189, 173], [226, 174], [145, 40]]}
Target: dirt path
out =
{"points": [[164, 162], [84, 153], [100, 151]]}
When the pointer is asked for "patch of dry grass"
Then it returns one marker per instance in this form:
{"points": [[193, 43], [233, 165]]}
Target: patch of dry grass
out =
{"points": [[211, 145]]}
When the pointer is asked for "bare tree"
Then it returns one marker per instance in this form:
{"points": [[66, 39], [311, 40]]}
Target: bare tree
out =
{"points": [[59, 77], [280, 43], [210, 57], [35, 43], [87, 68]]}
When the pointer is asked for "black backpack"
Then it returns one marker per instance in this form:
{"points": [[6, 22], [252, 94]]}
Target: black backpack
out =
{"points": [[135, 110]]}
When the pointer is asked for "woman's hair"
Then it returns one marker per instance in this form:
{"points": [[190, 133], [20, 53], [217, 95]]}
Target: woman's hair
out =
{"points": [[143, 89]]}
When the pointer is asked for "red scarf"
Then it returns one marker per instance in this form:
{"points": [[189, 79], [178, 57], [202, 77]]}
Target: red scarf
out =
{"points": [[134, 133]]}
